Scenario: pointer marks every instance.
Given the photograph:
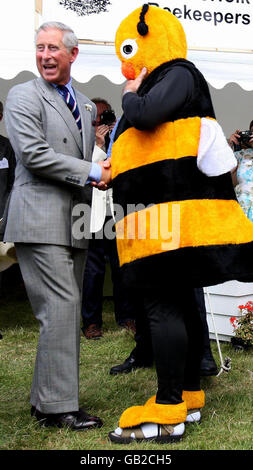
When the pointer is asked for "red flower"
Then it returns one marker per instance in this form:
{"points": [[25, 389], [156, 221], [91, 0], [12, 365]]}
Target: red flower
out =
{"points": [[249, 305], [232, 321]]}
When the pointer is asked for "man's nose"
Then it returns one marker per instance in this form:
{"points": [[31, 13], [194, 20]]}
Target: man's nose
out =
{"points": [[46, 53]]}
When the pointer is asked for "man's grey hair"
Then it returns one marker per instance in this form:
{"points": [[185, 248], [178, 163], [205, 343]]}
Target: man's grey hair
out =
{"points": [[69, 38]]}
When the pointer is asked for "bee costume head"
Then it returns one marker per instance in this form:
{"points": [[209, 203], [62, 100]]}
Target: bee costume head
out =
{"points": [[135, 44]]}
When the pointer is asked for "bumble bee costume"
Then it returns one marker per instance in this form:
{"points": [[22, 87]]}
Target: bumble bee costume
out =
{"points": [[181, 226]]}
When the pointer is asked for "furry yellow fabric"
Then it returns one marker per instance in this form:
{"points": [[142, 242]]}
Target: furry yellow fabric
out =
{"points": [[189, 223], [153, 413], [170, 40], [195, 399], [170, 140]]}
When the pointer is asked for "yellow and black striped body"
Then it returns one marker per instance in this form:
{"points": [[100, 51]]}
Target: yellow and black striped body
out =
{"points": [[176, 223]]}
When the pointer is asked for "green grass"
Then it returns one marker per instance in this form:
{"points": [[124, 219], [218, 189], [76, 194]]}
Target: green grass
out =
{"points": [[226, 419]]}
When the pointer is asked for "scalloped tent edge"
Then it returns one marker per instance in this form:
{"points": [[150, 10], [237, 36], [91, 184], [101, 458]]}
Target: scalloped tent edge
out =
{"points": [[219, 68]]}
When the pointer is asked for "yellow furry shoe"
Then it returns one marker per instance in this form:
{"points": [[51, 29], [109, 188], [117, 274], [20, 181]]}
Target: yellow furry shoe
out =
{"points": [[160, 423], [194, 402]]}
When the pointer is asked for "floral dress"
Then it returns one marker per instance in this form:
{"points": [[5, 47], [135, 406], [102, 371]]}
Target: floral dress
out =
{"points": [[244, 188]]}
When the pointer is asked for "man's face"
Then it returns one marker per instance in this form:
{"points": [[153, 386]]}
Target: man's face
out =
{"points": [[53, 58]]}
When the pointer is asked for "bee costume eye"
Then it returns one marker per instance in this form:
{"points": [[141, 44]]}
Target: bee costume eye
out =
{"points": [[128, 48]]}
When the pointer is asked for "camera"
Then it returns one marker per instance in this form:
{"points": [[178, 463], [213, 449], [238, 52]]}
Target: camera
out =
{"points": [[245, 137], [107, 117]]}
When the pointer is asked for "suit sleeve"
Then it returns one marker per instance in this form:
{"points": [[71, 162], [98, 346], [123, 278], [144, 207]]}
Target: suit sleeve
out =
{"points": [[23, 117], [161, 102]]}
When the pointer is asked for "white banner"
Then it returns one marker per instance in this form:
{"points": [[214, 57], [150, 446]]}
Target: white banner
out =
{"points": [[209, 24]]}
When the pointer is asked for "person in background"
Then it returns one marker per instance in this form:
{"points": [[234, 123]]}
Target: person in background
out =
{"points": [[242, 143], [7, 176], [7, 167], [49, 124], [101, 247]]}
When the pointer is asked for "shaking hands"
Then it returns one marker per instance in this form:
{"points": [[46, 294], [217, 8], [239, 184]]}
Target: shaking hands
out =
{"points": [[106, 175]]}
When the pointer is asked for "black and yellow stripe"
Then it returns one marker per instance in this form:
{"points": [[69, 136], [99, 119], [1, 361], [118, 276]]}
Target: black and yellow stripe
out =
{"points": [[170, 141], [210, 234], [196, 223], [199, 267], [209, 242], [177, 180]]}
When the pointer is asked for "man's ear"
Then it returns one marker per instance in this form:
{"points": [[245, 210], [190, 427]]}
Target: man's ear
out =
{"points": [[73, 54]]}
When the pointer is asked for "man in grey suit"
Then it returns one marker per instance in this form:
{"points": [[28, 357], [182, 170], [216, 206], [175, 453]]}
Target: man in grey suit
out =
{"points": [[54, 156]]}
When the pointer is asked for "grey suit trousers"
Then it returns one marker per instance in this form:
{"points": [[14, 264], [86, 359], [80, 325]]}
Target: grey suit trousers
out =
{"points": [[53, 278]]}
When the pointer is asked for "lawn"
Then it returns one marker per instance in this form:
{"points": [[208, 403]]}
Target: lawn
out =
{"points": [[226, 419]]}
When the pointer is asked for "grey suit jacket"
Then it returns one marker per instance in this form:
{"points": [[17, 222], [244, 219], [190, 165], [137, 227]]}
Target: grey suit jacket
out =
{"points": [[53, 163]]}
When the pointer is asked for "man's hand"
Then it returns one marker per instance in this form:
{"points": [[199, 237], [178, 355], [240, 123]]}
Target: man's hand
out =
{"points": [[106, 175], [133, 85]]}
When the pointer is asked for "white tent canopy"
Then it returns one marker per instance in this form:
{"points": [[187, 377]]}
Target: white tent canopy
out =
{"points": [[219, 68]]}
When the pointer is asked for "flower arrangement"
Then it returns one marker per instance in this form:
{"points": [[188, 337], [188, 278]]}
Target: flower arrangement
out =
{"points": [[243, 326]]}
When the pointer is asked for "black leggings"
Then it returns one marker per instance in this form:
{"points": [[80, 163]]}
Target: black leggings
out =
{"points": [[171, 317]]}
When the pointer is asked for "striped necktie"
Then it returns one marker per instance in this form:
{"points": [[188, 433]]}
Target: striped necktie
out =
{"points": [[72, 105]]}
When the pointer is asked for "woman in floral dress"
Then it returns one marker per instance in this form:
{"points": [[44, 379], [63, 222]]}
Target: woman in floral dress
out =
{"points": [[243, 174]]}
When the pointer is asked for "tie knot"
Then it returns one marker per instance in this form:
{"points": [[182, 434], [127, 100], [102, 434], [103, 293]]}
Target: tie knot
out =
{"points": [[63, 89]]}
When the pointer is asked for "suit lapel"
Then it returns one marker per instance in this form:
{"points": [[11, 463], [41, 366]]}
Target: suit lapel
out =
{"points": [[54, 99], [85, 118]]}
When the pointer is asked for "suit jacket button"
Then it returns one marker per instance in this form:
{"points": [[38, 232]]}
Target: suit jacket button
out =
{"points": [[65, 140]]}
